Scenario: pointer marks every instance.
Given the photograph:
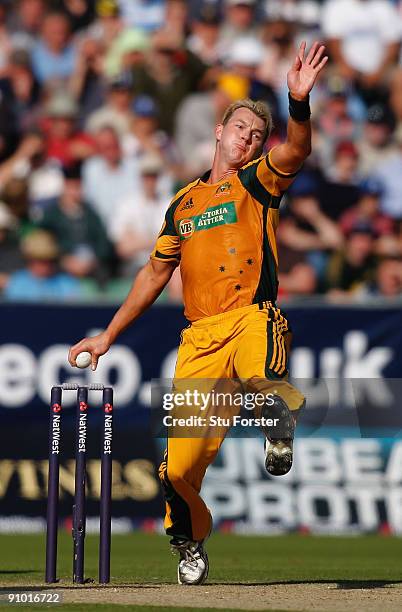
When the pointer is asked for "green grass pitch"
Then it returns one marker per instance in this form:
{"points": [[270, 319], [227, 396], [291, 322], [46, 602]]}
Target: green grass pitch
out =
{"points": [[145, 558]]}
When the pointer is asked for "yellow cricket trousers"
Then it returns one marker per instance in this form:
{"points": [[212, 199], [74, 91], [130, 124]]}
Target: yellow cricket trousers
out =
{"points": [[250, 343]]}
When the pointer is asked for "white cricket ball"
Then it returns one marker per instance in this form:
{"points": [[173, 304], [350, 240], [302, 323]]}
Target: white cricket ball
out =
{"points": [[83, 359]]}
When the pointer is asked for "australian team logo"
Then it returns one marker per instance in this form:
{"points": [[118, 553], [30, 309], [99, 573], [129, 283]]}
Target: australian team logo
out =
{"points": [[224, 188], [186, 228]]}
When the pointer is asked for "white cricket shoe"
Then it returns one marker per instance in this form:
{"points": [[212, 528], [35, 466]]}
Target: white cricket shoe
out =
{"points": [[193, 565]]}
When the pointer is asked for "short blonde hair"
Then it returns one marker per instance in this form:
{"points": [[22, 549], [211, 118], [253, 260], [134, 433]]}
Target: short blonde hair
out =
{"points": [[259, 108]]}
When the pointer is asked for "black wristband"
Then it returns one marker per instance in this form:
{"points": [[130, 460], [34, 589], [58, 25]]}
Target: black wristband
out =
{"points": [[299, 110]]}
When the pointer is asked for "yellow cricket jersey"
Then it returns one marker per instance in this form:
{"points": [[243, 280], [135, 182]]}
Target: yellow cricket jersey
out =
{"points": [[223, 234]]}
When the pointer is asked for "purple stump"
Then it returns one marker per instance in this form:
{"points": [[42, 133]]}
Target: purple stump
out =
{"points": [[79, 514], [53, 484], [106, 488]]}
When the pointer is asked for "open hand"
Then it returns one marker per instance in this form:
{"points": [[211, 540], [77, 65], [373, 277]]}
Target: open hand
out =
{"points": [[304, 72]]}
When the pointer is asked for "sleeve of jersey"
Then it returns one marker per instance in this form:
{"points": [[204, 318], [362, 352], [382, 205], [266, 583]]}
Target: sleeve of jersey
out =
{"points": [[167, 247], [274, 180]]}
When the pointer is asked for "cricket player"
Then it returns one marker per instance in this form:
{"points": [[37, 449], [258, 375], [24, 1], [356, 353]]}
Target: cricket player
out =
{"points": [[220, 229]]}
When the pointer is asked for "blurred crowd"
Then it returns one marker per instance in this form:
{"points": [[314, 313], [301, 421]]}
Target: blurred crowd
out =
{"points": [[107, 107]]}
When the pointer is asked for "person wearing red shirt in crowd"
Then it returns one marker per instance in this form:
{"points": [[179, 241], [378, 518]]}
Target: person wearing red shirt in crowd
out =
{"points": [[65, 142]]}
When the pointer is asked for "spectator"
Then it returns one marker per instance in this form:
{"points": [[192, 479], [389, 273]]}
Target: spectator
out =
{"points": [[353, 265], [389, 245], [15, 197], [108, 176], [107, 24], [145, 136], [85, 249], [10, 254], [87, 84], [43, 177], [170, 74], [279, 50], [139, 216], [25, 23], [126, 52], [334, 121], [80, 13], [239, 22], [340, 189], [40, 279], [364, 40], [65, 143], [306, 234], [20, 92], [176, 17], [116, 112], [366, 213], [54, 54], [277, 36], [244, 59], [204, 37], [300, 280], [195, 139], [376, 144], [388, 280]]}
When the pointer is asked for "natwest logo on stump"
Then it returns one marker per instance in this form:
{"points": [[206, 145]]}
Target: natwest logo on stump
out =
{"points": [[186, 228]]}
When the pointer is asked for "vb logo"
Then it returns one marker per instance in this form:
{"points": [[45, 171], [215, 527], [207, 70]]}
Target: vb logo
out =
{"points": [[186, 228]]}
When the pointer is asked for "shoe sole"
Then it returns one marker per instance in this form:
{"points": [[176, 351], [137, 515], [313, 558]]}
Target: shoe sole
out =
{"points": [[278, 465]]}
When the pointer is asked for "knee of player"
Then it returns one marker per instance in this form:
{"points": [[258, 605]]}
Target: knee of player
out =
{"points": [[174, 475], [296, 412]]}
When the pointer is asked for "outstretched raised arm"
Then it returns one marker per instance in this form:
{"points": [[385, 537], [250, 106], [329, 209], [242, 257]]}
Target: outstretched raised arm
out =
{"points": [[289, 156]]}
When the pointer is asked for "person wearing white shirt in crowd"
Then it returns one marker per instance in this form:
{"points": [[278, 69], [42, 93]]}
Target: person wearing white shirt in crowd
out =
{"points": [[139, 215], [363, 36], [109, 175]]}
